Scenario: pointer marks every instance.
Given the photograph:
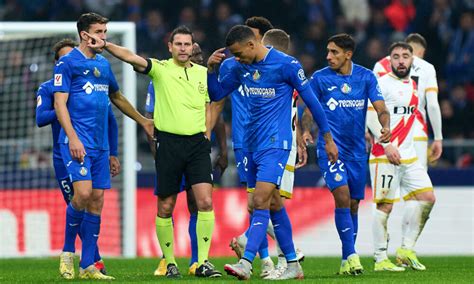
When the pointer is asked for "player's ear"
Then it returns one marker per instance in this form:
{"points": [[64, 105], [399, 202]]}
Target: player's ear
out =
{"points": [[251, 43], [170, 45]]}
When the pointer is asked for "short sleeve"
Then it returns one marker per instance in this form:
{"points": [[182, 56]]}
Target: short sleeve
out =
{"points": [[372, 88], [294, 75], [62, 77], [155, 67]]}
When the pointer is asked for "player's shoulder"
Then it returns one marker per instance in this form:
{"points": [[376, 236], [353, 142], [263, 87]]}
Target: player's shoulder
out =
{"points": [[163, 63], [281, 57], [101, 58], [422, 64], [384, 60], [324, 72], [387, 80], [46, 87], [360, 70]]}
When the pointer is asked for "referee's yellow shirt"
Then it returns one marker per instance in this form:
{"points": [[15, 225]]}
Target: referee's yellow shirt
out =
{"points": [[180, 96]]}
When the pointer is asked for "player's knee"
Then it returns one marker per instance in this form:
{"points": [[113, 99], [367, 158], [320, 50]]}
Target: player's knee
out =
{"points": [[204, 204], [426, 196], [354, 206]]}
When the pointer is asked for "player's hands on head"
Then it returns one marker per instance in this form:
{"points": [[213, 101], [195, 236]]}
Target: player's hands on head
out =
{"points": [[77, 150], [393, 155], [436, 150], [114, 165], [386, 135], [215, 59]]}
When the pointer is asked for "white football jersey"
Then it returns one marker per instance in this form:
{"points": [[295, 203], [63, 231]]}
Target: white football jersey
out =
{"points": [[401, 99], [424, 75]]}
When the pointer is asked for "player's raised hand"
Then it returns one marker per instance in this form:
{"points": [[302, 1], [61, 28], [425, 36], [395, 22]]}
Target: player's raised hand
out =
{"points": [[114, 165], [77, 150], [215, 59], [94, 41], [386, 135], [436, 150], [393, 155]]}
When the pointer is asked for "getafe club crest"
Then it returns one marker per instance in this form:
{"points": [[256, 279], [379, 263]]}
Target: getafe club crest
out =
{"points": [[96, 72], [256, 75], [337, 177], [83, 171], [346, 88]]}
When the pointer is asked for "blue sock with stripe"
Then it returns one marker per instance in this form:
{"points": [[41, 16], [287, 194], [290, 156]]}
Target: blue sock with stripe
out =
{"points": [[90, 230], [284, 233], [256, 233], [345, 230], [73, 225]]}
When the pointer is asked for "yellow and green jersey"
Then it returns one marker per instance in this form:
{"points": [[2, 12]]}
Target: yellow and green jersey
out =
{"points": [[180, 96]]}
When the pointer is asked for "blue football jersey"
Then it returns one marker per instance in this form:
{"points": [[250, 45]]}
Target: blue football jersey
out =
{"points": [[239, 109], [344, 100], [268, 85], [45, 113], [150, 98], [88, 81]]}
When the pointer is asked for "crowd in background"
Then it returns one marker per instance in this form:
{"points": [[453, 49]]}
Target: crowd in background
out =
{"points": [[447, 25]]}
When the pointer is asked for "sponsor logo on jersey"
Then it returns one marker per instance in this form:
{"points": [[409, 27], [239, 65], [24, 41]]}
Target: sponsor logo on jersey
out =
{"points": [[96, 72], [263, 92], [83, 171], [332, 88], [357, 104], [346, 88], [88, 88], [86, 72], [404, 109], [256, 75], [58, 79]]}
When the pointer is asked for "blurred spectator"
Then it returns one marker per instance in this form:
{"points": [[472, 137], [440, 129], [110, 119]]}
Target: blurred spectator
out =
{"points": [[225, 20], [373, 52], [187, 17], [357, 16], [152, 35], [452, 123], [464, 109], [400, 13], [461, 51]]}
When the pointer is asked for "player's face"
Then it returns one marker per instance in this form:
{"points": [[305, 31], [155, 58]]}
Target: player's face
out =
{"points": [[243, 52], [401, 60], [197, 57], [181, 48], [99, 30], [337, 57]]}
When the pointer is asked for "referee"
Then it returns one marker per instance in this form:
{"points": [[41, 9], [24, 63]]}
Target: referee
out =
{"points": [[181, 144]]}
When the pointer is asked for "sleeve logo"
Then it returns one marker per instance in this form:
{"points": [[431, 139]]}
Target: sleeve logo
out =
{"points": [[301, 75], [58, 79], [39, 101]]}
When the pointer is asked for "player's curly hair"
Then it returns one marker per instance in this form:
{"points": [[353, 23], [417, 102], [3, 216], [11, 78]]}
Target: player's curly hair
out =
{"points": [[262, 24], [61, 44]]}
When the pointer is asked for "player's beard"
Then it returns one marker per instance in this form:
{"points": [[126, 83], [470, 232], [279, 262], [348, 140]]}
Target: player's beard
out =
{"points": [[403, 74]]}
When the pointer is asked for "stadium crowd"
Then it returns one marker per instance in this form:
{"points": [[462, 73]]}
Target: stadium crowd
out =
{"points": [[447, 25]]}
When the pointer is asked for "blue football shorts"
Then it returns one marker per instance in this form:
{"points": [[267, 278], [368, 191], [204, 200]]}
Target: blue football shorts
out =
{"points": [[266, 166]]}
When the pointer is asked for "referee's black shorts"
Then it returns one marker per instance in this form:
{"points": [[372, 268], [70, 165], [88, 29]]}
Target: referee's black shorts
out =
{"points": [[181, 154]]}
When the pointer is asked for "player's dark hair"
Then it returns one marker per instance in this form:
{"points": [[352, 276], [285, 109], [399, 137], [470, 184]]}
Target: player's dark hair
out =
{"points": [[260, 23], [86, 20], [61, 44], [416, 38], [182, 30], [238, 33], [400, 44], [277, 38], [344, 41]]}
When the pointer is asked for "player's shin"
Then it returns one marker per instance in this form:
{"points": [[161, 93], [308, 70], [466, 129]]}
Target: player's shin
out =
{"points": [[204, 228], [257, 233], [355, 224], [415, 215], [284, 234], [165, 232], [380, 235], [90, 230], [73, 225], [345, 230]]}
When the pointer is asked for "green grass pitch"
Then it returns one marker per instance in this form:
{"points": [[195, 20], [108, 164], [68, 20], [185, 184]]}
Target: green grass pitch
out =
{"points": [[445, 269]]}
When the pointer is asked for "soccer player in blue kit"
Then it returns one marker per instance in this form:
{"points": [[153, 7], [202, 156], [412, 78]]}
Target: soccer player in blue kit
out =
{"points": [[45, 115], [269, 78], [343, 89], [83, 83]]}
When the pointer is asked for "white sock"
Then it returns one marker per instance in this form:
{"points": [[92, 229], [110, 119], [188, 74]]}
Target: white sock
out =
{"points": [[415, 215], [242, 240], [380, 235]]}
